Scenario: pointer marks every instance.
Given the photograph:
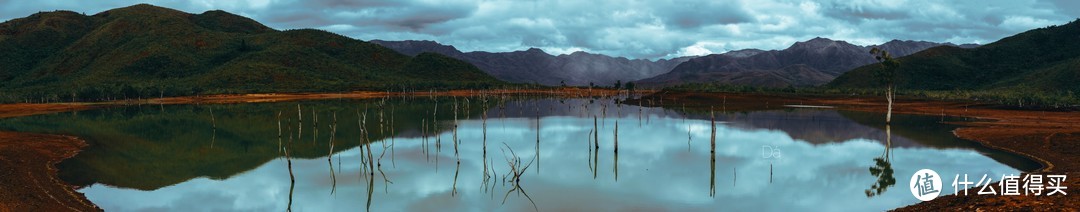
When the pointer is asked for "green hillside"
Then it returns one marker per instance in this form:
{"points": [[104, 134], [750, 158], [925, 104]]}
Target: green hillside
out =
{"points": [[149, 51], [1044, 61]]}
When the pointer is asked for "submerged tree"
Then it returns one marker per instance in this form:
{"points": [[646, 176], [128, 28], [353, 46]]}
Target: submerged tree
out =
{"points": [[887, 76]]}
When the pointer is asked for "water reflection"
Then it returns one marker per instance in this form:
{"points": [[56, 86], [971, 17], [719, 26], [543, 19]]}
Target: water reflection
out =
{"points": [[516, 171], [144, 158], [882, 168]]}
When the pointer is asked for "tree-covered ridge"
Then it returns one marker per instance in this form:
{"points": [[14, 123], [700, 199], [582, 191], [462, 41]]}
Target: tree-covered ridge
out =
{"points": [[149, 51], [1044, 60]]}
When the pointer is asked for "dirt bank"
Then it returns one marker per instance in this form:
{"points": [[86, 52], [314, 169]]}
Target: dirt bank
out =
{"points": [[14, 110], [278, 97], [28, 179]]}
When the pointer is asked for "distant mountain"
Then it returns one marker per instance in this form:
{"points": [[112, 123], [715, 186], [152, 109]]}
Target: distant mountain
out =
{"points": [[145, 50], [536, 66], [1045, 59], [813, 62], [743, 53], [900, 48]]}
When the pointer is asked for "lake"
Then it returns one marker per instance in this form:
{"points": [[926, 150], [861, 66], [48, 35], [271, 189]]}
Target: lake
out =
{"points": [[510, 154]]}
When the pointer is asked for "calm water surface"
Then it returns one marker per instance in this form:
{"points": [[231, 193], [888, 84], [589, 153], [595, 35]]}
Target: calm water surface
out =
{"points": [[230, 157]]}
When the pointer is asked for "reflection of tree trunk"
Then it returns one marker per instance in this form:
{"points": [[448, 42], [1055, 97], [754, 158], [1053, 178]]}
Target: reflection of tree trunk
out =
{"points": [[212, 120], [484, 150], [639, 111], [882, 168], [538, 142], [455, 128], [596, 163], [333, 176], [596, 136], [393, 140], [329, 161], [213, 137], [712, 173], [888, 142], [371, 189], [279, 132], [616, 134], [423, 134], [456, 170], [361, 120], [292, 178], [712, 152], [616, 162], [299, 123], [689, 137]]}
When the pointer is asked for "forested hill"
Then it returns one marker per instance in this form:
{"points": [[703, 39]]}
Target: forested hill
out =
{"points": [[149, 51], [1044, 60]]}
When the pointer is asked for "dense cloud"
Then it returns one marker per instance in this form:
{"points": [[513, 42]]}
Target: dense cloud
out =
{"points": [[634, 29]]}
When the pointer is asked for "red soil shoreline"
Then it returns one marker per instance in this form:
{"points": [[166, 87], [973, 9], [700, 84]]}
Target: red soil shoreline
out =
{"points": [[28, 179]]}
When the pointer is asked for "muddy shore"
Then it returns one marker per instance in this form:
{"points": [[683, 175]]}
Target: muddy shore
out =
{"points": [[28, 178]]}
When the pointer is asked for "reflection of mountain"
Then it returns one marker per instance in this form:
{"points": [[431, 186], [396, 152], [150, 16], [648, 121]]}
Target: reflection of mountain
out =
{"points": [[813, 126], [810, 125], [174, 144], [826, 126], [936, 135]]}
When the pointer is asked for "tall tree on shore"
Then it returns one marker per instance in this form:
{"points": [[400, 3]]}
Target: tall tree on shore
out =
{"points": [[887, 76]]}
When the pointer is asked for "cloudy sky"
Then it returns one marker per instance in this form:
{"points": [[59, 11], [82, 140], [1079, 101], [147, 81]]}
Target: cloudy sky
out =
{"points": [[633, 29]]}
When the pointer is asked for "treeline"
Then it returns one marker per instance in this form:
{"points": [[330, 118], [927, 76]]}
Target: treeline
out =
{"points": [[115, 92]]}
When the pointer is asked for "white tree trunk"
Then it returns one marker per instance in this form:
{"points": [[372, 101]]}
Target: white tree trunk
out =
{"points": [[889, 94]]}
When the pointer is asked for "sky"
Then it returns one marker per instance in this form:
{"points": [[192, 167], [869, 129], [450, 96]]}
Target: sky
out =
{"points": [[633, 29]]}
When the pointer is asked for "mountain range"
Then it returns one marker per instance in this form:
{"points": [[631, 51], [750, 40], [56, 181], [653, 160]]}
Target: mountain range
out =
{"points": [[1036, 61], [536, 66], [809, 63], [145, 50]]}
